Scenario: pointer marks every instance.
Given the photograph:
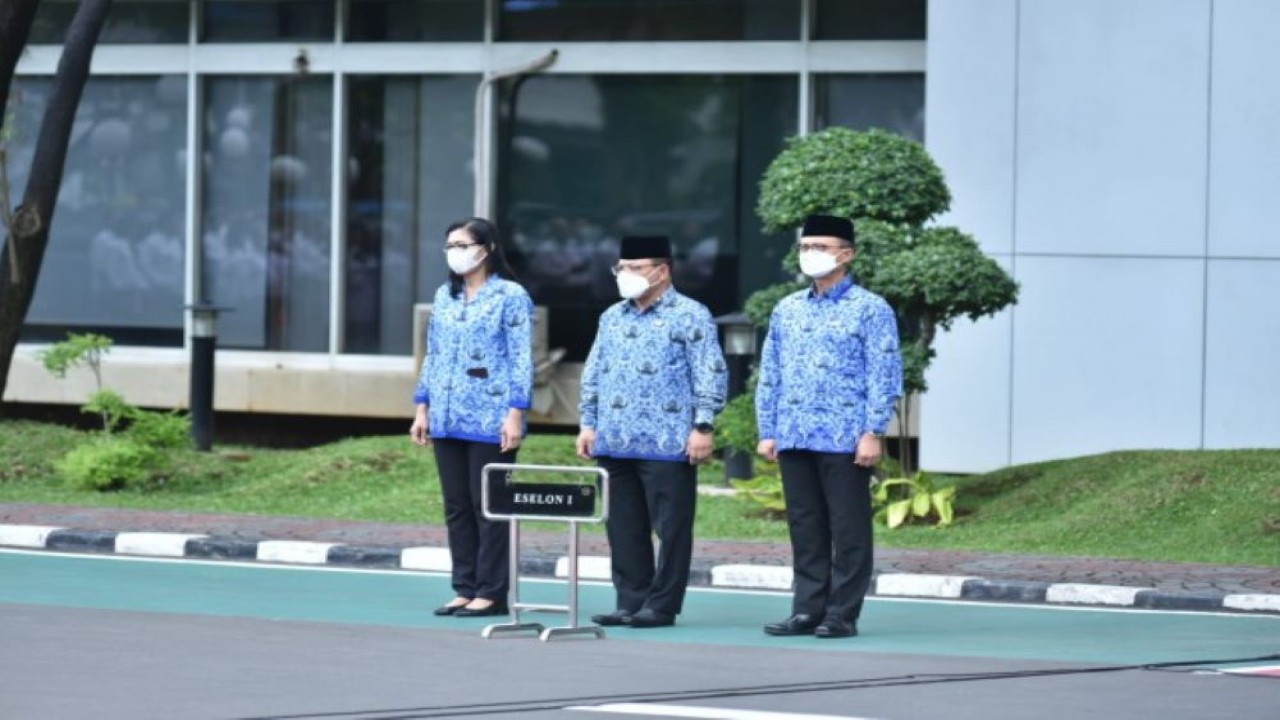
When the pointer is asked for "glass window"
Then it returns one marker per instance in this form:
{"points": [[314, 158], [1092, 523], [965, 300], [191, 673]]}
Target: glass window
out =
{"points": [[267, 20], [128, 21], [408, 176], [415, 20], [587, 159], [266, 209], [893, 102], [869, 19], [649, 20], [116, 252]]}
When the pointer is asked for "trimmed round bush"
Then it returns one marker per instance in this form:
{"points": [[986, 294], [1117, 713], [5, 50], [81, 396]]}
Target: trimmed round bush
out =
{"points": [[873, 174]]}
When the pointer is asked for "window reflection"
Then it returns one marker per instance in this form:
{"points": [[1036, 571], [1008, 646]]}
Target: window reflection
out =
{"points": [[415, 20], [893, 102], [267, 20], [588, 159], [869, 19], [116, 252], [408, 176], [128, 21], [649, 20], [266, 210]]}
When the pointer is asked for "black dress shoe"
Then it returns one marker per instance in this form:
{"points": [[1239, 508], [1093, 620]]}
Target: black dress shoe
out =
{"points": [[798, 624], [834, 627], [613, 619], [445, 610], [497, 608], [647, 618]]}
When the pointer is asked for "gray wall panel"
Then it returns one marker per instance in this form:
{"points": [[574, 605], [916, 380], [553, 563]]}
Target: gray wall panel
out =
{"points": [[964, 417], [1112, 126], [1244, 190], [1242, 378], [1107, 355], [969, 104]]}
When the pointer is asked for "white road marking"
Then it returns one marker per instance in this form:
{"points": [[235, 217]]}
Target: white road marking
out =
{"points": [[709, 713], [294, 551], [25, 535], [943, 586], [1092, 594], [153, 543], [590, 567], [1267, 670]]}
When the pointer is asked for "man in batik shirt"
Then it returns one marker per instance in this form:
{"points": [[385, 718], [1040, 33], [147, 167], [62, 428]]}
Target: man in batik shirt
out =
{"points": [[830, 373], [652, 384]]}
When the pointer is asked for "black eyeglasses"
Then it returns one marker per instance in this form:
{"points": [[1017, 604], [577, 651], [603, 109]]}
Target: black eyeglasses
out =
{"points": [[822, 247], [459, 246], [631, 268]]}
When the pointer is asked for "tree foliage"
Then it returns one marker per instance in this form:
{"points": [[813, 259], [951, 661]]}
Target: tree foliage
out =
{"points": [[26, 227], [873, 174], [891, 187]]}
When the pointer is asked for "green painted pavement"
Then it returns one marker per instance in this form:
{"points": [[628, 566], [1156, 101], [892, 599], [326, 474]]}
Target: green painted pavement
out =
{"points": [[405, 599]]}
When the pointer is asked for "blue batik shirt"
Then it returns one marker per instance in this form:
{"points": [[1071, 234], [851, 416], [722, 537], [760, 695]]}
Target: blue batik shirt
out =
{"points": [[479, 361], [830, 370], [651, 376]]}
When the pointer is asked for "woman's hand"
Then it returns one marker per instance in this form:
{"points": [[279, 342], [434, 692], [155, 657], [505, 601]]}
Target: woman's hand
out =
{"points": [[420, 431], [512, 432]]}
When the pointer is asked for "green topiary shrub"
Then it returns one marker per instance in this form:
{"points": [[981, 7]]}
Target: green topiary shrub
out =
{"points": [[890, 187], [873, 174]]}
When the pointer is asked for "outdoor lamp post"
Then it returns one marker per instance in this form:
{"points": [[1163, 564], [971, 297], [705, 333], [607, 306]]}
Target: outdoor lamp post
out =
{"points": [[738, 337], [204, 338]]}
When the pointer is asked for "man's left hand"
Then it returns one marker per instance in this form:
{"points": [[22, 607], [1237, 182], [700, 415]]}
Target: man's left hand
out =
{"points": [[870, 447], [699, 447]]}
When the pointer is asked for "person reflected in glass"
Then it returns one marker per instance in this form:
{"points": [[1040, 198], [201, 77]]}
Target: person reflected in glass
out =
{"points": [[830, 375], [653, 382], [474, 388]]}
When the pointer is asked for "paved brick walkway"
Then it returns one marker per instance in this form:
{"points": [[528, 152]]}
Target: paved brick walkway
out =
{"points": [[1168, 577]]}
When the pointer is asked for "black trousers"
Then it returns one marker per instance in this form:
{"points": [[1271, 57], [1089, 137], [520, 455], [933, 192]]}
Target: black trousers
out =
{"points": [[648, 497], [480, 549], [829, 517]]}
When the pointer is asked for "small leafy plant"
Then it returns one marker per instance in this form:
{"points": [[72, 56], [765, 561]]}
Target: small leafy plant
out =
{"points": [[109, 463], [134, 445], [766, 490], [916, 498]]}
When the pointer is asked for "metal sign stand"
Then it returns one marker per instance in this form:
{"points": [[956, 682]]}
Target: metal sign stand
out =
{"points": [[515, 516]]}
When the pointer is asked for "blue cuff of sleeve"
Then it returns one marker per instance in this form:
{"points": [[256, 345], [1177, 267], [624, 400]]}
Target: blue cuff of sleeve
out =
{"points": [[420, 399], [521, 404]]}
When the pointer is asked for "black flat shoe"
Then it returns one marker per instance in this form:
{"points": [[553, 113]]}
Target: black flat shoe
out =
{"points": [[835, 628], [446, 610], [613, 619], [798, 624], [494, 609], [647, 618]]}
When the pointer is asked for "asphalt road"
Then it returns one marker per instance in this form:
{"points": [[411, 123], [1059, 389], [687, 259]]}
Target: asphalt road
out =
{"points": [[109, 637]]}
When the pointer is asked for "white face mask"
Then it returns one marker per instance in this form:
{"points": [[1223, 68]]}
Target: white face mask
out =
{"points": [[816, 263], [632, 285], [463, 260]]}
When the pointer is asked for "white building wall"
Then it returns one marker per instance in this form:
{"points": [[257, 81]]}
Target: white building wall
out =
{"points": [[1133, 150]]}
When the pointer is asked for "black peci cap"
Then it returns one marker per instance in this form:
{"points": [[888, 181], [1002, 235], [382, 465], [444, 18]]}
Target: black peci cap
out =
{"points": [[643, 247], [828, 226]]}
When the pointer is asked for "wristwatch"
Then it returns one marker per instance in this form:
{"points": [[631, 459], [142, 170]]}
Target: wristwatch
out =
{"points": [[705, 428]]}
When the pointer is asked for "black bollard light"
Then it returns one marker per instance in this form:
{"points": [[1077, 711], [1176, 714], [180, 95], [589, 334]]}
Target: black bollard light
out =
{"points": [[204, 339], [738, 337]]}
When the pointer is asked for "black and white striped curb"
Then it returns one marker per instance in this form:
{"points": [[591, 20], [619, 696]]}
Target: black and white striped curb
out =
{"points": [[756, 577]]}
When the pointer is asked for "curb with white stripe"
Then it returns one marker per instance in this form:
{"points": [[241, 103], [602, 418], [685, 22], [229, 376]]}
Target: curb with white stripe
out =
{"points": [[757, 577]]}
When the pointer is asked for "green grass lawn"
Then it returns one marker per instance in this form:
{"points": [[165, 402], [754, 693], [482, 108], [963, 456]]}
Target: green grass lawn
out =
{"points": [[1218, 507]]}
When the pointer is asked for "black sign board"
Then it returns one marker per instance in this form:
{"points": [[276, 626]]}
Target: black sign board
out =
{"points": [[547, 499]]}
